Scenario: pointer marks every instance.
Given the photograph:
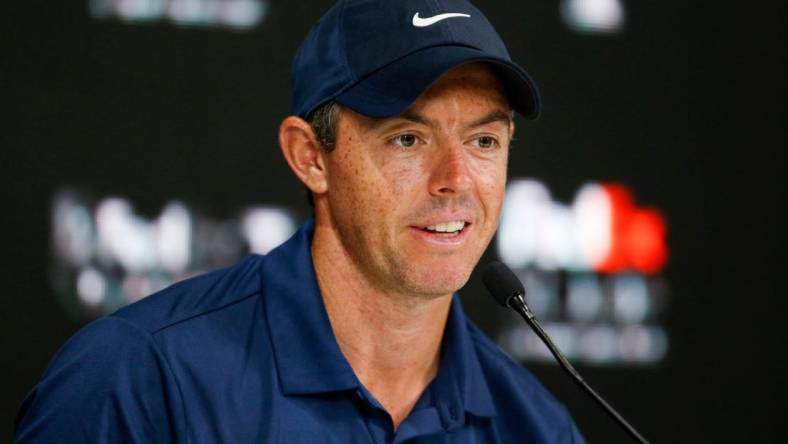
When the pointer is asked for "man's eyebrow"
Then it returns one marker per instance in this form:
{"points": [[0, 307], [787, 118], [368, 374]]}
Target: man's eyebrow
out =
{"points": [[495, 116]]}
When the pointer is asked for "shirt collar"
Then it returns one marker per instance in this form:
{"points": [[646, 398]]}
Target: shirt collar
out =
{"points": [[460, 376], [307, 355], [306, 352]]}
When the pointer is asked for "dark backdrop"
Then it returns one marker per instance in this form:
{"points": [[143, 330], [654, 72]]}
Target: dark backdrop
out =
{"points": [[686, 106]]}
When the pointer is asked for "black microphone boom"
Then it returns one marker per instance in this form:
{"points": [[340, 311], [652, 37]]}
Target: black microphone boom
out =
{"points": [[507, 289]]}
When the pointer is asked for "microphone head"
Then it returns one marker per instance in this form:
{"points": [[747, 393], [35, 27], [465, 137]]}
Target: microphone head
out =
{"points": [[501, 282]]}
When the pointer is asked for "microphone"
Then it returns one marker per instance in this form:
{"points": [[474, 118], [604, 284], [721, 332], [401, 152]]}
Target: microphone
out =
{"points": [[507, 289]]}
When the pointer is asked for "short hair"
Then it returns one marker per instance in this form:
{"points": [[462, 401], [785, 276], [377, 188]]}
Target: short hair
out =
{"points": [[324, 122]]}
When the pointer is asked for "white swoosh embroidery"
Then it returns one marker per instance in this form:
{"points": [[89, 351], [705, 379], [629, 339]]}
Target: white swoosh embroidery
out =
{"points": [[420, 22]]}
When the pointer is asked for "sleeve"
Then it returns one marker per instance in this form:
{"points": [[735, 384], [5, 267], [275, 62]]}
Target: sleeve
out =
{"points": [[108, 384]]}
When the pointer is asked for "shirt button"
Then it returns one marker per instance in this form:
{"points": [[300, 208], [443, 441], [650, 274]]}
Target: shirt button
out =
{"points": [[453, 412]]}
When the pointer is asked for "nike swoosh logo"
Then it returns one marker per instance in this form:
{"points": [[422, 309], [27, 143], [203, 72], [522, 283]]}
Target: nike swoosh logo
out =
{"points": [[421, 22]]}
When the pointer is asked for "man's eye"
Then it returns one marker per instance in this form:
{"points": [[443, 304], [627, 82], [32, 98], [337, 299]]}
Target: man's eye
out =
{"points": [[486, 142], [405, 140]]}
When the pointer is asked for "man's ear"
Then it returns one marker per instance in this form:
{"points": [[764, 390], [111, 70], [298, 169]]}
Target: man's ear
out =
{"points": [[303, 153]]}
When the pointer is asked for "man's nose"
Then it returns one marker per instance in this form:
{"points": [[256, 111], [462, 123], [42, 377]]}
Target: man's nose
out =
{"points": [[451, 173]]}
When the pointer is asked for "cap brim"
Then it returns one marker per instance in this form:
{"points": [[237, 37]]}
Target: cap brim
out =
{"points": [[391, 89]]}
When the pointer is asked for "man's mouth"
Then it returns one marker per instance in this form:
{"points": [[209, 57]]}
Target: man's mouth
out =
{"points": [[446, 229]]}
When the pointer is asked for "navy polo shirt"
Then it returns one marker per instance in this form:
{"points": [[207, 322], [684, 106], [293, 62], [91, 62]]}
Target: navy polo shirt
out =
{"points": [[247, 354]]}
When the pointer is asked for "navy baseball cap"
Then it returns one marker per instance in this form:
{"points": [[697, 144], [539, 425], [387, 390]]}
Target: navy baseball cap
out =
{"points": [[376, 56]]}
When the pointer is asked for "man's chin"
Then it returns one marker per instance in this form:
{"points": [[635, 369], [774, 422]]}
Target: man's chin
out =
{"points": [[438, 282]]}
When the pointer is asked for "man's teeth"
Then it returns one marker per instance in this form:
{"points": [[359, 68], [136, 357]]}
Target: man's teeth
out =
{"points": [[447, 227]]}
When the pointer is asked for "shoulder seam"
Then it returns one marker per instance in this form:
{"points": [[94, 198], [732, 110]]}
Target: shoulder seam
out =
{"points": [[202, 313]]}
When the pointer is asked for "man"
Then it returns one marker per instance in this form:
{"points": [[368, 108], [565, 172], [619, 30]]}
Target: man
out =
{"points": [[350, 331]]}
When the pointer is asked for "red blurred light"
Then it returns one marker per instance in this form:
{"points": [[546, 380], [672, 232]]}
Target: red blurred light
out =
{"points": [[645, 241], [637, 238]]}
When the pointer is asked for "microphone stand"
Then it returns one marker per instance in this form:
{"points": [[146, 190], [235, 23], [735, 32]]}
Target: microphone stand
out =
{"points": [[517, 303]]}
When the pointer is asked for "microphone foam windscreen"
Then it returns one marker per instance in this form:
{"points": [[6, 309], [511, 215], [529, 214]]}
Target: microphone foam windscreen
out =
{"points": [[501, 282]]}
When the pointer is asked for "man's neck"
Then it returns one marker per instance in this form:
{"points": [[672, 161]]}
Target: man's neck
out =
{"points": [[392, 341]]}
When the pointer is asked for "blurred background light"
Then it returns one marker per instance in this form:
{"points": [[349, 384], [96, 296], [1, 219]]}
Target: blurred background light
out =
{"points": [[603, 230], [582, 263], [630, 299], [91, 286], [645, 241], [542, 290], [123, 237], [593, 16], [584, 299], [555, 249], [599, 344], [265, 227], [525, 210], [592, 212], [173, 235], [231, 14], [641, 344], [73, 229], [243, 14], [590, 269], [112, 256]]}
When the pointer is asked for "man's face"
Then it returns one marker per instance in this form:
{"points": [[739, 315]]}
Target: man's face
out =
{"points": [[415, 199]]}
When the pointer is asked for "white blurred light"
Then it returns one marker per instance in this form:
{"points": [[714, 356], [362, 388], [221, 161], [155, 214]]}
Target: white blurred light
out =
{"points": [[140, 10], [564, 337], [91, 286], [73, 229], [111, 256], [630, 298], [526, 207], [541, 293], [111, 217], [123, 236], [522, 343], [243, 13], [592, 221], [555, 248], [236, 14], [173, 236], [191, 12], [599, 344], [642, 344], [584, 300], [266, 228], [136, 287], [597, 16], [535, 230]]}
